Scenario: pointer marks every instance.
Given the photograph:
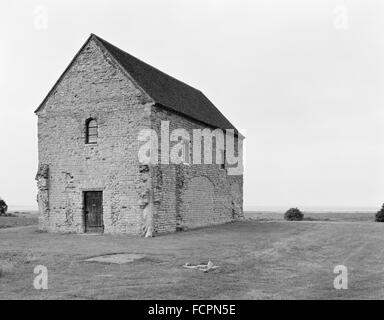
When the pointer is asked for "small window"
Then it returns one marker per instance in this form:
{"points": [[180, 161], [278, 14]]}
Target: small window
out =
{"points": [[91, 131], [223, 154], [186, 152]]}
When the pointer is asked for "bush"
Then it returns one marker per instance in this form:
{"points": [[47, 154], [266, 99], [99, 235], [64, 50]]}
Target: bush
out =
{"points": [[3, 207], [379, 217], [293, 214]]}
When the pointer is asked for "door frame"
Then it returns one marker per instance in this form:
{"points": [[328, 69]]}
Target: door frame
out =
{"points": [[83, 192]]}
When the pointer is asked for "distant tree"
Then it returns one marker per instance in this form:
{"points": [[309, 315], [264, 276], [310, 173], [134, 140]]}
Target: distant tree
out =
{"points": [[3, 207], [293, 214], [379, 217]]}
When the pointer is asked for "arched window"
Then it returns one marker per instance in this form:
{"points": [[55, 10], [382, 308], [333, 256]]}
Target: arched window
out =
{"points": [[91, 131]]}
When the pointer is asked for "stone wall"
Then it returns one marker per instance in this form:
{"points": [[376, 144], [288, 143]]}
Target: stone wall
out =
{"points": [[192, 195], [93, 87]]}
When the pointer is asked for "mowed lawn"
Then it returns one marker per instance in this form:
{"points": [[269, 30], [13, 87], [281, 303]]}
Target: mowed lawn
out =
{"points": [[257, 260]]}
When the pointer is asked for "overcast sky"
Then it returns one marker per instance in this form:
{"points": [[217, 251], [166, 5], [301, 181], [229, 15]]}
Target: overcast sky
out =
{"points": [[302, 79]]}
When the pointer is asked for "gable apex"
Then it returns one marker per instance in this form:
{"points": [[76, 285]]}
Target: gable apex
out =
{"points": [[163, 89], [40, 107]]}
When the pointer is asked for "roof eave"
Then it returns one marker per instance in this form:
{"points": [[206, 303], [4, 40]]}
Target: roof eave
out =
{"points": [[237, 133]]}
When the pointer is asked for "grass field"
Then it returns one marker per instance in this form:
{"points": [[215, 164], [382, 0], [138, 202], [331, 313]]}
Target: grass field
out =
{"points": [[18, 219], [315, 216], [266, 259]]}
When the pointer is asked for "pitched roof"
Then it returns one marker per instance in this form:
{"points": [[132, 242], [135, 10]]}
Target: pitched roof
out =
{"points": [[166, 90]]}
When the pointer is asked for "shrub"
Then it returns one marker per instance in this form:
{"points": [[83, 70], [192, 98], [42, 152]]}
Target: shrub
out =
{"points": [[379, 217], [3, 207], [293, 214]]}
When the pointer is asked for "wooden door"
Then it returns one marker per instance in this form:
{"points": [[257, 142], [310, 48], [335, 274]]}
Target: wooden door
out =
{"points": [[93, 211]]}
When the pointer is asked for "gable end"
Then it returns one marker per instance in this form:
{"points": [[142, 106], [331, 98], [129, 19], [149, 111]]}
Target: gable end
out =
{"points": [[92, 37]]}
